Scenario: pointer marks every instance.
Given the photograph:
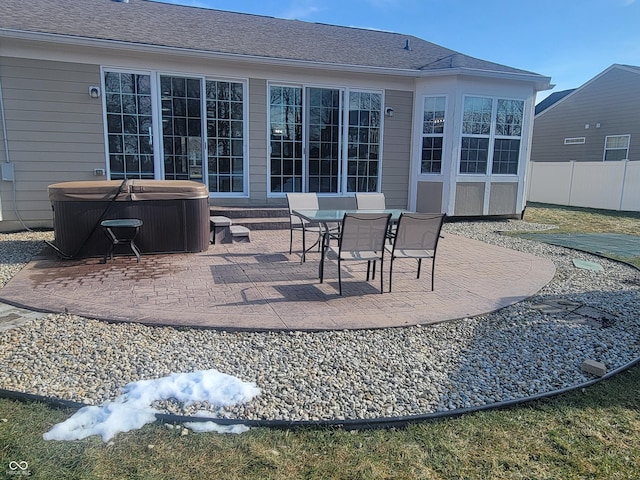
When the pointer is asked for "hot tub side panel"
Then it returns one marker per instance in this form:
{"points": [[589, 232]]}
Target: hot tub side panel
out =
{"points": [[175, 216]]}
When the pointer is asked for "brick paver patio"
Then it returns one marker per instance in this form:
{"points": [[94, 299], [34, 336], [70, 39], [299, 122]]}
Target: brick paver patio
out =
{"points": [[259, 286]]}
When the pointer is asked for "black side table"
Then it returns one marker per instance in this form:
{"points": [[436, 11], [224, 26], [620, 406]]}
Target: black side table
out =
{"points": [[127, 230]]}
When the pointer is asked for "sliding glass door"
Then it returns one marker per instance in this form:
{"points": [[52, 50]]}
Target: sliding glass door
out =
{"points": [[286, 139], [181, 100], [324, 140]]}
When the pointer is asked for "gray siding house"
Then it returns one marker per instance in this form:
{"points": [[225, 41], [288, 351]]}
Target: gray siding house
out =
{"points": [[253, 107], [586, 145]]}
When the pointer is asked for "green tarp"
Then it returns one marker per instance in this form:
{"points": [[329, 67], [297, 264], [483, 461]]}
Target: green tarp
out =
{"points": [[606, 244]]}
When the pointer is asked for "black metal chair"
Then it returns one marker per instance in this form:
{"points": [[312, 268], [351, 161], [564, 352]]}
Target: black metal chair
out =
{"points": [[361, 238], [417, 236]]}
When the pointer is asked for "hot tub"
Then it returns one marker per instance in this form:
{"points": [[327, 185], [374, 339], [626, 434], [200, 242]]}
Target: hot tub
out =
{"points": [[175, 215]]}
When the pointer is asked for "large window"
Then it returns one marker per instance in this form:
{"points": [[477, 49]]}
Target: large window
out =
{"points": [[506, 152], [169, 142], [491, 133], [129, 125], [432, 134], [616, 147], [363, 164], [476, 130], [225, 136], [286, 139], [307, 148]]}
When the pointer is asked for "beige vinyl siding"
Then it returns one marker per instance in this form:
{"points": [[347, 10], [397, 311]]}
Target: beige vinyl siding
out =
{"points": [[396, 156], [258, 139], [611, 100], [54, 130]]}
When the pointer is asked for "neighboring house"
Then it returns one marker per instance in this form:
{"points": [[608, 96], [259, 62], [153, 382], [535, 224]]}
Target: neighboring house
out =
{"points": [[254, 107], [551, 99], [586, 145]]}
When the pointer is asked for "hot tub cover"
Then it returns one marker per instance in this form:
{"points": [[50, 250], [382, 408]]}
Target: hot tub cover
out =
{"points": [[131, 190]]}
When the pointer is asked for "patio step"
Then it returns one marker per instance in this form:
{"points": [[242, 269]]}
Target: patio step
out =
{"points": [[239, 233], [219, 228], [255, 218]]}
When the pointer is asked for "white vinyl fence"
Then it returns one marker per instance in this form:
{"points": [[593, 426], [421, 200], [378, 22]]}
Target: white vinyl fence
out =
{"points": [[607, 185]]}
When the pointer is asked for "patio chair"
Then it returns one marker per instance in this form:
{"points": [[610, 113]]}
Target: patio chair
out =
{"points": [[302, 201], [417, 236], [374, 201], [361, 238], [370, 201]]}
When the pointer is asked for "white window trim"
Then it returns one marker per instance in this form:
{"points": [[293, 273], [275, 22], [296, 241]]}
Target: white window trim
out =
{"points": [[604, 154], [343, 135], [490, 137], [158, 169], [245, 134], [158, 147], [158, 102], [471, 177], [271, 84], [445, 134]]}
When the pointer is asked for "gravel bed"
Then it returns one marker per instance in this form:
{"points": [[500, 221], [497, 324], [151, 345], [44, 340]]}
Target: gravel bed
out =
{"points": [[514, 353]]}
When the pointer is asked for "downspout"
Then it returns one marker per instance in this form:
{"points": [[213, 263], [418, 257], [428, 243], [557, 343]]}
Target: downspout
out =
{"points": [[8, 162]]}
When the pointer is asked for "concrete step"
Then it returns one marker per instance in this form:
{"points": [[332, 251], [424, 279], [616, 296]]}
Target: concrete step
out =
{"points": [[219, 229], [255, 218], [263, 223], [239, 234], [249, 212]]}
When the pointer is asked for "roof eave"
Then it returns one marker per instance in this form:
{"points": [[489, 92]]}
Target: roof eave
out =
{"points": [[540, 82]]}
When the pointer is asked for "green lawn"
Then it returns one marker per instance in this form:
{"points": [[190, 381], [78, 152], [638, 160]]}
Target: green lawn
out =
{"points": [[587, 434], [593, 433], [583, 220]]}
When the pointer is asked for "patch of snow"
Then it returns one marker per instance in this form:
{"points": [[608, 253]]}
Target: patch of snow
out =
{"points": [[132, 410]]}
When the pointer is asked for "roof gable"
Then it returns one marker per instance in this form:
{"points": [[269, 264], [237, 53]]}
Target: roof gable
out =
{"points": [[576, 91], [216, 31]]}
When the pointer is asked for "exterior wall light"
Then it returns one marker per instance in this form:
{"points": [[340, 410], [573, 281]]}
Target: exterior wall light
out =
{"points": [[388, 111], [94, 91]]}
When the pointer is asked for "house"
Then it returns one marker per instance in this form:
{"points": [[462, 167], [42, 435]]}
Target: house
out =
{"points": [[551, 99], [254, 107], [586, 146]]}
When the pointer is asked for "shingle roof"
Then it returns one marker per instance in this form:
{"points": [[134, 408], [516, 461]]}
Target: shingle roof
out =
{"points": [[551, 99], [161, 24]]}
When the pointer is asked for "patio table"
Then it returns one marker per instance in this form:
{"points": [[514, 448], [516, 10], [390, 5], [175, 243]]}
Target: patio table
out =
{"points": [[326, 216], [123, 230]]}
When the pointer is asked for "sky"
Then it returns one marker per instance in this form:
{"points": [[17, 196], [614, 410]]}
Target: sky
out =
{"points": [[570, 41], [134, 407]]}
